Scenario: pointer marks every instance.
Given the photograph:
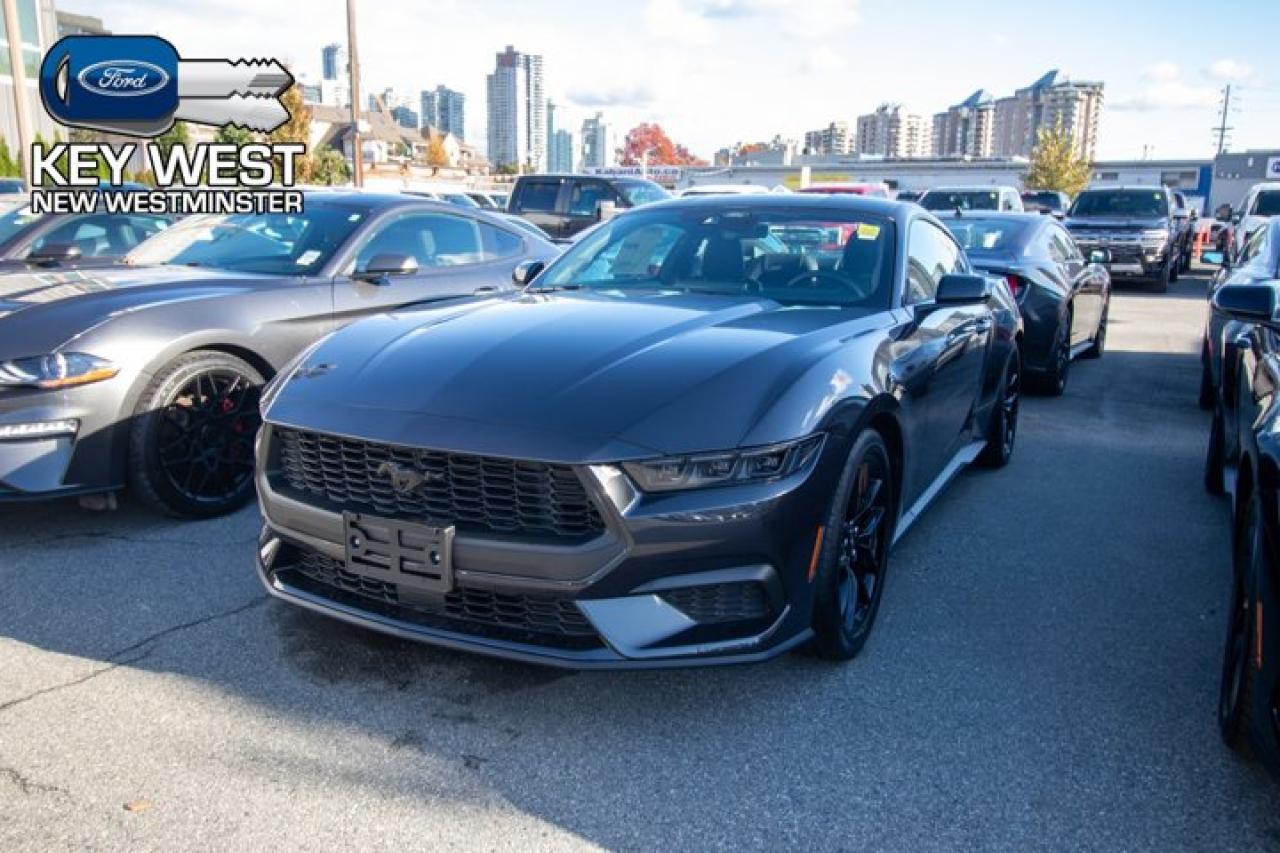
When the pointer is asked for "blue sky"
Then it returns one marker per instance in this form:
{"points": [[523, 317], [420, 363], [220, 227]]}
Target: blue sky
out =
{"points": [[714, 72]]}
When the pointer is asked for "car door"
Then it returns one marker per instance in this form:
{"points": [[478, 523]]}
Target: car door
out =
{"points": [[1084, 284], [456, 254], [538, 200], [584, 199], [943, 351]]}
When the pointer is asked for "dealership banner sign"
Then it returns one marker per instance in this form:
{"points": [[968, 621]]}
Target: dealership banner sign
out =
{"points": [[140, 86]]}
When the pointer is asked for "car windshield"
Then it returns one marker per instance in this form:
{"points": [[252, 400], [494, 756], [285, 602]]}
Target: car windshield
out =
{"points": [[642, 192], [460, 199], [987, 235], [1050, 201], [1266, 204], [961, 200], [1142, 203], [793, 256], [270, 244], [13, 221]]}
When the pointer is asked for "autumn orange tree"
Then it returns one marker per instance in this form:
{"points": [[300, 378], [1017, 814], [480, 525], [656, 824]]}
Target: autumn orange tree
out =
{"points": [[652, 140]]}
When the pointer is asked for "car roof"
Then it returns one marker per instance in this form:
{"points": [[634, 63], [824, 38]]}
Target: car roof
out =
{"points": [[1127, 187], [971, 188], [816, 202]]}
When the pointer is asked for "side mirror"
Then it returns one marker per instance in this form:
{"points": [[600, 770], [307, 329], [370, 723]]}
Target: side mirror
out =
{"points": [[526, 271], [1251, 303], [1235, 218], [1100, 256], [382, 267], [1222, 212], [963, 289], [55, 253], [605, 211]]}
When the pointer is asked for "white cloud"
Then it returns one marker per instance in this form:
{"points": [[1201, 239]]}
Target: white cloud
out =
{"points": [[1162, 72], [678, 21], [822, 60], [1229, 70], [622, 94], [1169, 96]]}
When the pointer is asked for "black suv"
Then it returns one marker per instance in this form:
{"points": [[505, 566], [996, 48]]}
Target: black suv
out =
{"points": [[563, 205], [1137, 225]]}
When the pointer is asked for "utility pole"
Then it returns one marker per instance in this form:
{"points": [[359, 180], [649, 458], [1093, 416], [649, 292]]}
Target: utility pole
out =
{"points": [[1221, 131], [21, 113], [353, 65]]}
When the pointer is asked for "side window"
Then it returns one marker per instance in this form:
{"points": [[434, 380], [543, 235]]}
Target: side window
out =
{"points": [[100, 234], [586, 197], [498, 243], [931, 254], [432, 239], [538, 196], [1253, 246]]}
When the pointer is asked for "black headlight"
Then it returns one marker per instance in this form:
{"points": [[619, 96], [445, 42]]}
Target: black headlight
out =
{"points": [[704, 470]]}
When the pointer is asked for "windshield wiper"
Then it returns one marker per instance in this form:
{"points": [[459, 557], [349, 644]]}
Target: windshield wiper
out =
{"points": [[551, 288]]}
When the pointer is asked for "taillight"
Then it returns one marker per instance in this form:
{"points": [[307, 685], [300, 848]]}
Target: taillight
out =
{"points": [[1016, 285]]}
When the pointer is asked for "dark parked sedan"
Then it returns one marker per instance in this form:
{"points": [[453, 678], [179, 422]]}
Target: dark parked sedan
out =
{"points": [[69, 240], [1064, 297], [1257, 263], [693, 439], [1244, 455], [148, 373]]}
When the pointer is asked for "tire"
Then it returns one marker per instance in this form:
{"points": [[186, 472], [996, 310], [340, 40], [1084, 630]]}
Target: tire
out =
{"points": [[1161, 284], [1206, 400], [1099, 345], [1002, 427], [191, 443], [854, 558], [1215, 457], [1237, 689], [1054, 381]]}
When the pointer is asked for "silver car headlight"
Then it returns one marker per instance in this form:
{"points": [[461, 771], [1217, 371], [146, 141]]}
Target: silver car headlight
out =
{"points": [[57, 370], [703, 470]]}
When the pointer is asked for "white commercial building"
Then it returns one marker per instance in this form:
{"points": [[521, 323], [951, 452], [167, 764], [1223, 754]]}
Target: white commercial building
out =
{"points": [[517, 111]]}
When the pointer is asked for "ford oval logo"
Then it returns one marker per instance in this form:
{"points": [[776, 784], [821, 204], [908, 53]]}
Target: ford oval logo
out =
{"points": [[123, 79]]}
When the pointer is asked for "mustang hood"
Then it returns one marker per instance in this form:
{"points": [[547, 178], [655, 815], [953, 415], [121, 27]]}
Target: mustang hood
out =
{"points": [[41, 310], [571, 378]]}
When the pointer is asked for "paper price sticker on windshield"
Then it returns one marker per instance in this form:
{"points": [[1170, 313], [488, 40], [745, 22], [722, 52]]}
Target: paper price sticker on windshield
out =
{"points": [[868, 232]]}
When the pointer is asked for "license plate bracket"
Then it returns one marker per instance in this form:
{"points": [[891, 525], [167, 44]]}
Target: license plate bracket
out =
{"points": [[405, 553]]}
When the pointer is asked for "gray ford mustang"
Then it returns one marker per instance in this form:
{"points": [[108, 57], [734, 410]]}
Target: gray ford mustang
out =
{"points": [[148, 373], [693, 438]]}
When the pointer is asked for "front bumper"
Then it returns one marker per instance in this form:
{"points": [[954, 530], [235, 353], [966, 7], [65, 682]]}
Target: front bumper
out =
{"points": [[72, 462], [704, 577], [1130, 256]]}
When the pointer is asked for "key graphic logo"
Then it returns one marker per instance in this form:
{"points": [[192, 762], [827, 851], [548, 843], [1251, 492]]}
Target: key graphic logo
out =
{"points": [[139, 86]]}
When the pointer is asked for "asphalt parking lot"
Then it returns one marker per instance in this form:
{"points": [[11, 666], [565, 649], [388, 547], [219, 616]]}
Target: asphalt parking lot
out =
{"points": [[1043, 675]]}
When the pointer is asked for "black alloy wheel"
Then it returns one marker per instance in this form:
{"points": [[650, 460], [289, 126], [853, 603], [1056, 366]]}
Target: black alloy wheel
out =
{"points": [[1239, 675], [855, 551], [1099, 345], [192, 445], [1002, 428], [1054, 381]]}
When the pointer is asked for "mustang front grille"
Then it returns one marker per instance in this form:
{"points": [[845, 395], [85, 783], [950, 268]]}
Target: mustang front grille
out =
{"points": [[481, 494], [475, 610]]}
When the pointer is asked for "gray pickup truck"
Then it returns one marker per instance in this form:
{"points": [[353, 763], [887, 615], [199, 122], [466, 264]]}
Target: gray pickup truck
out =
{"points": [[1138, 226]]}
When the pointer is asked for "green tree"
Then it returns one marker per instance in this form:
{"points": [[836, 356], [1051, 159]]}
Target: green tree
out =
{"points": [[330, 168], [179, 135], [1056, 164], [234, 135], [8, 165]]}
